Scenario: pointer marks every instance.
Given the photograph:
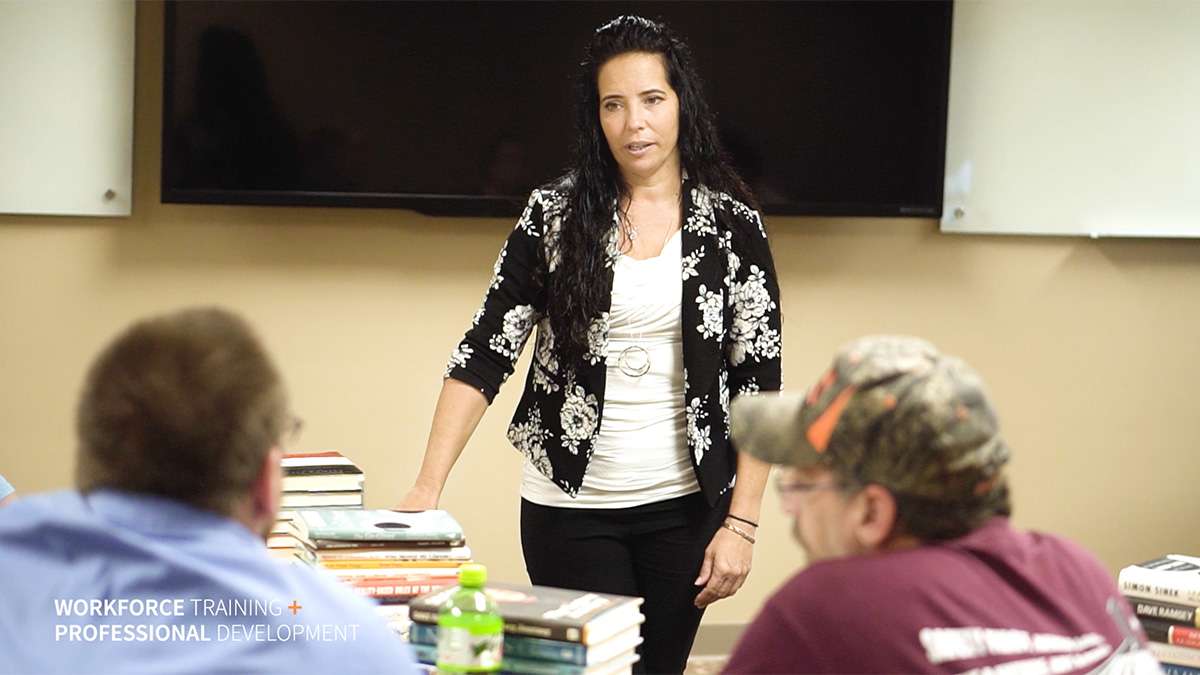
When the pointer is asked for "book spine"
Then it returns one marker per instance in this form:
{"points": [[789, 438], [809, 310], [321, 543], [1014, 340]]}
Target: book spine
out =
{"points": [[1172, 669], [424, 634], [516, 646], [1183, 615], [424, 653], [355, 535], [540, 630], [381, 577], [1173, 587], [533, 667], [306, 489], [427, 653], [546, 632], [422, 615], [451, 566], [394, 590], [1171, 634], [411, 555], [1174, 654], [322, 542], [322, 470], [545, 650]]}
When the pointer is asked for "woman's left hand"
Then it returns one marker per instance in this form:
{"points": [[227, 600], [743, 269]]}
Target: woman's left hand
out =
{"points": [[726, 564]]}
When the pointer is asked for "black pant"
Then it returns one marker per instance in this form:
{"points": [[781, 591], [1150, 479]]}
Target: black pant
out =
{"points": [[653, 551]]}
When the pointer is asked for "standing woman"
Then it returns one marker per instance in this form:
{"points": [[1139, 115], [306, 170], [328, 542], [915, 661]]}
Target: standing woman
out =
{"points": [[647, 273]]}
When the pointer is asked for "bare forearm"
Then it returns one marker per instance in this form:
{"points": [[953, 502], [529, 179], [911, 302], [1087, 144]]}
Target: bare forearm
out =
{"points": [[459, 409], [751, 481]]}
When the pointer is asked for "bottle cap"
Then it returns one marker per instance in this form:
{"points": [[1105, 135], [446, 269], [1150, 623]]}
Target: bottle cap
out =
{"points": [[472, 574]]}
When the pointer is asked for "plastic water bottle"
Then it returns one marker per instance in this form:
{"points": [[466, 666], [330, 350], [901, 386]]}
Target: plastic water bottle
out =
{"points": [[470, 630]]}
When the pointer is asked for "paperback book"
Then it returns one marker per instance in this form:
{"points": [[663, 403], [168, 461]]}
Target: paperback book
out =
{"points": [[382, 526], [386, 553]]}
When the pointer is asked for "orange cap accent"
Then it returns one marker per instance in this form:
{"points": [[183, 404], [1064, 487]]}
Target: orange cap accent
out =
{"points": [[822, 428]]}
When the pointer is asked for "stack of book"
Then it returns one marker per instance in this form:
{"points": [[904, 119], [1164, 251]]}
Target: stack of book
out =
{"points": [[388, 556], [289, 540], [1164, 594], [547, 631], [321, 480]]}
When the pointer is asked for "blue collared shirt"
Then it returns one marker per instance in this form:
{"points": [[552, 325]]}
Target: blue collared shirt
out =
{"points": [[113, 582]]}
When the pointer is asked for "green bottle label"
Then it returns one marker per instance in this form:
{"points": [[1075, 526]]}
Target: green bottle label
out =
{"points": [[470, 641]]}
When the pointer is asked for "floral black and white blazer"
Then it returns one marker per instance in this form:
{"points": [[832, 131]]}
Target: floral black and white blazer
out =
{"points": [[731, 337]]}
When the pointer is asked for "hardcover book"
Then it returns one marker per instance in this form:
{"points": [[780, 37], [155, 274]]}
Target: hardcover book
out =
{"points": [[1172, 578], [1183, 615], [511, 664], [299, 500], [394, 588], [324, 483], [1169, 633], [539, 649], [413, 575], [1183, 656], [547, 612], [318, 463]]}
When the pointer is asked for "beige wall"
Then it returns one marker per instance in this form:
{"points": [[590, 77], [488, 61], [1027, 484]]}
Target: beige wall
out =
{"points": [[1091, 348]]}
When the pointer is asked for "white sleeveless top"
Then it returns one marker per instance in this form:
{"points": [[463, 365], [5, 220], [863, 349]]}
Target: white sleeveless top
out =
{"points": [[640, 453]]}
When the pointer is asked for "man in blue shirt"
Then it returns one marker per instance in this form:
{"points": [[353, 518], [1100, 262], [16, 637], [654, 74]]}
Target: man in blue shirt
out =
{"points": [[157, 563]]}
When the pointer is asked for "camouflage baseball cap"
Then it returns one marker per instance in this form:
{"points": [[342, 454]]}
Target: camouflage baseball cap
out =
{"points": [[891, 410]]}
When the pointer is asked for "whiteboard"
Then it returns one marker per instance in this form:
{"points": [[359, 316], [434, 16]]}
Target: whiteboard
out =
{"points": [[1074, 117], [66, 107]]}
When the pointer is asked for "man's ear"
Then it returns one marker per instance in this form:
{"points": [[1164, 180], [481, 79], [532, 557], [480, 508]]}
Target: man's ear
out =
{"points": [[266, 492], [877, 517]]}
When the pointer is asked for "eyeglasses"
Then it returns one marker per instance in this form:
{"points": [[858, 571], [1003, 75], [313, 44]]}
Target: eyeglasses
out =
{"points": [[797, 487], [291, 431]]}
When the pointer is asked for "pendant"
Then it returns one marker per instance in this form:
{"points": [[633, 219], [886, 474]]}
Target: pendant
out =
{"points": [[634, 361]]}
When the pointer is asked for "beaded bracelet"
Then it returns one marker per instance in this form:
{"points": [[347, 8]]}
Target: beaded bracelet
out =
{"points": [[738, 531], [751, 523]]}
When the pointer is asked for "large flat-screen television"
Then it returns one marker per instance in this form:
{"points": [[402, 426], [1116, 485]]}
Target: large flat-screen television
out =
{"points": [[826, 108]]}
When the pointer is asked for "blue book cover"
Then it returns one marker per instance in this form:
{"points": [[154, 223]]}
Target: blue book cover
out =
{"points": [[516, 645], [541, 649], [427, 654]]}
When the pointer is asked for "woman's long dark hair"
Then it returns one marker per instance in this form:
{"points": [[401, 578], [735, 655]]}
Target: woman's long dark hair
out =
{"points": [[594, 185]]}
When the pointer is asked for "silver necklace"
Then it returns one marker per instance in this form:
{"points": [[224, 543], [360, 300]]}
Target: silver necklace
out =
{"points": [[634, 360], [631, 230]]}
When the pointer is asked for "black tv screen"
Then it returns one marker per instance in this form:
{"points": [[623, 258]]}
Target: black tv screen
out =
{"points": [[826, 108]]}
